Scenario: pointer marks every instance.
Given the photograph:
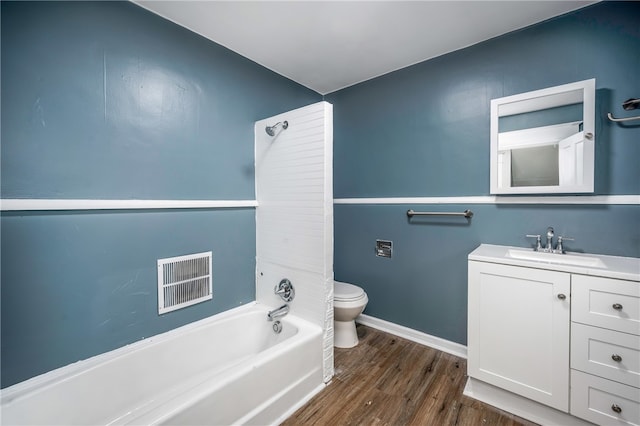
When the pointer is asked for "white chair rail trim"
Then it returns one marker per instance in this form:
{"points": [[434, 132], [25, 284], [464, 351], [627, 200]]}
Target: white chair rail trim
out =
{"points": [[62, 204], [35, 204], [494, 199]]}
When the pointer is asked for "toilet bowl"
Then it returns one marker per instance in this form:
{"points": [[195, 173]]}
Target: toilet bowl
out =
{"points": [[348, 302]]}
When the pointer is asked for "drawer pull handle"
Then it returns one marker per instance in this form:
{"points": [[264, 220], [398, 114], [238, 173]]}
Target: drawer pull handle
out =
{"points": [[616, 408], [561, 296], [617, 306], [616, 358]]}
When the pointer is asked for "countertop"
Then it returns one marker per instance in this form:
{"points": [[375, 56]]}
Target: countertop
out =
{"points": [[625, 268]]}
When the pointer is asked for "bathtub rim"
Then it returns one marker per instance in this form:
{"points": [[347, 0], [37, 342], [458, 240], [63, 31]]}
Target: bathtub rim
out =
{"points": [[50, 378]]}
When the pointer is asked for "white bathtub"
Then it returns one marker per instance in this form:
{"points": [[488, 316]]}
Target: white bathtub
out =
{"points": [[228, 369]]}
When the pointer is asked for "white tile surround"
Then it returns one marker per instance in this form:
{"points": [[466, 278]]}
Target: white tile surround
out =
{"points": [[294, 217]]}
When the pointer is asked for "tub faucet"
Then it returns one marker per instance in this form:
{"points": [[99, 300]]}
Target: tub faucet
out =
{"points": [[277, 313]]}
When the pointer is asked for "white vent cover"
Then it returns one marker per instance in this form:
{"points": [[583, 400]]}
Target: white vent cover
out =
{"points": [[184, 281]]}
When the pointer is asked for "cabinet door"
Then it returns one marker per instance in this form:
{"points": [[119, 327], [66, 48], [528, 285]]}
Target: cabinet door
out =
{"points": [[518, 331]]}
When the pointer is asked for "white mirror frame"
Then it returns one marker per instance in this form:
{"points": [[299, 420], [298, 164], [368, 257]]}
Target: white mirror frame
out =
{"points": [[582, 173]]}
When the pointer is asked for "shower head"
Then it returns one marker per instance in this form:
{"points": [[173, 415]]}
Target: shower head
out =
{"points": [[271, 130]]}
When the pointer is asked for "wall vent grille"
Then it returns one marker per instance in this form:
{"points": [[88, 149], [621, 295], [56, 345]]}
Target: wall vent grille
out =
{"points": [[184, 281]]}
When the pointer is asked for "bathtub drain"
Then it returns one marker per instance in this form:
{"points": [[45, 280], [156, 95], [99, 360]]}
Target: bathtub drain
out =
{"points": [[277, 327]]}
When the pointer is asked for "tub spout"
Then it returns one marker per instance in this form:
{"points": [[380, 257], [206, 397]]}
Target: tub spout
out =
{"points": [[278, 313]]}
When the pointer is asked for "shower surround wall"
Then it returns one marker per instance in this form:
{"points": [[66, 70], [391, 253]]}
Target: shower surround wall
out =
{"points": [[294, 218]]}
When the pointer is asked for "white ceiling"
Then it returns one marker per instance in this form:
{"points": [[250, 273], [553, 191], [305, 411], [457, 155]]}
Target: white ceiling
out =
{"points": [[329, 45]]}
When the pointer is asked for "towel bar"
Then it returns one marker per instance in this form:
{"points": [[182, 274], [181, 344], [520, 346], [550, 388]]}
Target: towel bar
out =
{"points": [[467, 213]]}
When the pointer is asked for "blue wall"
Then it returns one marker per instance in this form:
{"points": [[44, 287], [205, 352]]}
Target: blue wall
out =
{"points": [[104, 100], [107, 101], [423, 131]]}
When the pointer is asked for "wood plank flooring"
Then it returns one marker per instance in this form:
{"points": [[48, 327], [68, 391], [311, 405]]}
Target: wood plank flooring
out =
{"points": [[387, 380]]}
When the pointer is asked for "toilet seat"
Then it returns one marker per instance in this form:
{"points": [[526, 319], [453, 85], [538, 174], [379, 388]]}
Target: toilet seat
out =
{"points": [[344, 292]]}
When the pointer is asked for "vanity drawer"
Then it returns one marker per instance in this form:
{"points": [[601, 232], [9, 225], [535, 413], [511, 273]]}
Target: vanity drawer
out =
{"points": [[603, 401], [605, 302], [606, 353]]}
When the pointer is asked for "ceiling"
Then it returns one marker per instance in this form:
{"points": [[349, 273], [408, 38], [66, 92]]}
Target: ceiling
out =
{"points": [[330, 45]]}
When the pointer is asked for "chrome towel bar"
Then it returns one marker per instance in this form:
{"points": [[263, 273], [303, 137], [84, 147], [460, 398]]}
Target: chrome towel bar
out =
{"points": [[467, 213], [627, 105], [612, 118]]}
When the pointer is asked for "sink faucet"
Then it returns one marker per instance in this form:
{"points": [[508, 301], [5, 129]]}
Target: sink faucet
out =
{"points": [[549, 246], [277, 313]]}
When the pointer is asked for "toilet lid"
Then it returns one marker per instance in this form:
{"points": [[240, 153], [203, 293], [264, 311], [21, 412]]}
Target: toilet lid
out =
{"points": [[345, 291]]}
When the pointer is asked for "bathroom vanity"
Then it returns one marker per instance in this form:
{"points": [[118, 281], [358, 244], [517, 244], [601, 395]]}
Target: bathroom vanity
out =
{"points": [[555, 338]]}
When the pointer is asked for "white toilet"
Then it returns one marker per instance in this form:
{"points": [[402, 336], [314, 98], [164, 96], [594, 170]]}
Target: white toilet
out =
{"points": [[348, 302]]}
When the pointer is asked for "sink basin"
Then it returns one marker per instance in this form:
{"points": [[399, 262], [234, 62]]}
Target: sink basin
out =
{"points": [[560, 259]]}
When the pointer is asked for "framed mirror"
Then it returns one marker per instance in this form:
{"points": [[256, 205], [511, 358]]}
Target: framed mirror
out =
{"points": [[543, 141]]}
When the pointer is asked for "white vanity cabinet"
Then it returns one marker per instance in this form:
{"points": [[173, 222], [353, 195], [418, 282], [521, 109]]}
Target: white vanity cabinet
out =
{"points": [[555, 340], [519, 331]]}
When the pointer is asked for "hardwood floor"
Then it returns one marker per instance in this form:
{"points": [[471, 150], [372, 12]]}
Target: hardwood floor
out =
{"points": [[387, 380]]}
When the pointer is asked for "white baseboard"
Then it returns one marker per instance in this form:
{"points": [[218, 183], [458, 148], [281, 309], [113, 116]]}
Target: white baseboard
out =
{"points": [[414, 335], [518, 405]]}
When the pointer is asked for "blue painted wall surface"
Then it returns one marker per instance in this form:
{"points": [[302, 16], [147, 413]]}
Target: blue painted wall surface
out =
{"points": [[104, 100], [423, 131]]}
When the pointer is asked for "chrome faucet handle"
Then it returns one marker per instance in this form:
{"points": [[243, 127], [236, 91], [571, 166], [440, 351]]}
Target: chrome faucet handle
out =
{"points": [[538, 242], [560, 248], [285, 290]]}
